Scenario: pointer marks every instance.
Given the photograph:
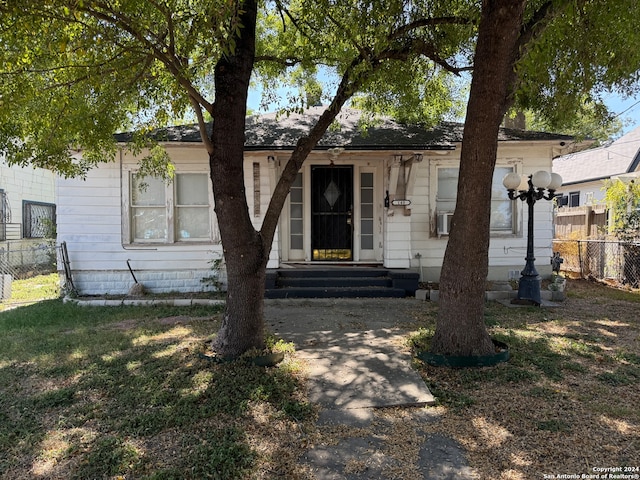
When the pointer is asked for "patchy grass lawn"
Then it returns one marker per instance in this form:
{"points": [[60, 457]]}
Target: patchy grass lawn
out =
{"points": [[123, 392], [568, 400], [93, 393], [31, 290]]}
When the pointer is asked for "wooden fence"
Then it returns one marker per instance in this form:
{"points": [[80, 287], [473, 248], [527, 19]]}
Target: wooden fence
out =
{"points": [[581, 222]]}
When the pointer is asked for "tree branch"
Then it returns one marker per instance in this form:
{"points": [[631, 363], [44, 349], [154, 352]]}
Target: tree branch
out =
{"points": [[352, 79], [538, 23], [202, 125], [160, 50], [428, 22]]}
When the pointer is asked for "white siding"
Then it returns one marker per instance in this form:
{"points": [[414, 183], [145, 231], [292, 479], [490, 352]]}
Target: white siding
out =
{"points": [[24, 184], [90, 221], [507, 252]]}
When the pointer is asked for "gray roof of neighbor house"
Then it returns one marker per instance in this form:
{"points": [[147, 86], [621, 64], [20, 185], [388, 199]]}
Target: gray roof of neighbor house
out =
{"points": [[281, 132], [621, 156]]}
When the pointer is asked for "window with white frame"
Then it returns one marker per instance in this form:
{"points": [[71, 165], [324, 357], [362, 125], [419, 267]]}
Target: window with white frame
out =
{"points": [[169, 212], [502, 209]]}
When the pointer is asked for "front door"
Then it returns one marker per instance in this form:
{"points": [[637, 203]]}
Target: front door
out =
{"points": [[331, 212]]}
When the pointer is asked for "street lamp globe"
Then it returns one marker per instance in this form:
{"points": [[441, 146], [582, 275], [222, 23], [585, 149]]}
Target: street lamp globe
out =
{"points": [[541, 179], [511, 181], [556, 182]]}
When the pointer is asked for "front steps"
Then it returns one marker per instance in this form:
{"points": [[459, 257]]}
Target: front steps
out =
{"points": [[340, 282]]}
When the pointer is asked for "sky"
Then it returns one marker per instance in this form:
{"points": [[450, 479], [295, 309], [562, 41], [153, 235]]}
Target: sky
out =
{"points": [[626, 108]]}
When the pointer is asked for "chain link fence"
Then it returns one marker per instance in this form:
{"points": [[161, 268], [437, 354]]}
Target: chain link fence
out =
{"points": [[22, 261], [607, 260]]}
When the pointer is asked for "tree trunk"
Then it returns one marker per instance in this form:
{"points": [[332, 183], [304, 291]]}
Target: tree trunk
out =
{"points": [[245, 254], [460, 328], [246, 250]]}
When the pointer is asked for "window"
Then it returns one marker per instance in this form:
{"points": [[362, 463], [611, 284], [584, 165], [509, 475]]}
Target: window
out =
{"points": [[502, 213], [501, 206], [574, 199], [589, 198], [178, 211], [38, 219], [296, 237], [366, 211]]}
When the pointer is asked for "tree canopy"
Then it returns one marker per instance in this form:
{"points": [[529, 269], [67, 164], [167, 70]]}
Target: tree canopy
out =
{"points": [[74, 72]]}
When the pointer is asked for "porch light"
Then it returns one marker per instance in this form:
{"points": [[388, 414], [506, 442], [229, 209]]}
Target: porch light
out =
{"points": [[538, 186]]}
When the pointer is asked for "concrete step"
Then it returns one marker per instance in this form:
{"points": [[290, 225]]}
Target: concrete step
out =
{"points": [[340, 282], [335, 292], [286, 282]]}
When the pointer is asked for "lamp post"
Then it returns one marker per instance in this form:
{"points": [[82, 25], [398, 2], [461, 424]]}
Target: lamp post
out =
{"points": [[531, 188]]}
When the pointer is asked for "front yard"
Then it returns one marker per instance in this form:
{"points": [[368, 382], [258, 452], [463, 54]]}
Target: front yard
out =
{"points": [[568, 400], [122, 392]]}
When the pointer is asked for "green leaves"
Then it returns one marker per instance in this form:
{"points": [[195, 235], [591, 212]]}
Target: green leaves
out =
{"points": [[623, 198], [72, 73], [588, 48]]}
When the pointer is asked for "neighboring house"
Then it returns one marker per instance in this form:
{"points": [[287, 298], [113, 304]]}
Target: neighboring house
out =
{"points": [[583, 173], [27, 217], [381, 197], [27, 204]]}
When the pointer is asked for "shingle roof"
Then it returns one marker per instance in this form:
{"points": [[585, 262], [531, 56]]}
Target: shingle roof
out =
{"points": [[281, 132], [621, 156]]}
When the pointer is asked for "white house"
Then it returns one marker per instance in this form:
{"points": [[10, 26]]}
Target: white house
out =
{"points": [[583, 173], [383, 197], [27, 203], [27, 217]]}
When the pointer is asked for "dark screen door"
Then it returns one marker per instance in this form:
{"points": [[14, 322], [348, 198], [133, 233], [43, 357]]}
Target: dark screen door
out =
{"points": [[331, 212]]}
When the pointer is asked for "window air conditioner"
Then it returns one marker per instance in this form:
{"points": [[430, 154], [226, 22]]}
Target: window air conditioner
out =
{"points": [[444, 223]]}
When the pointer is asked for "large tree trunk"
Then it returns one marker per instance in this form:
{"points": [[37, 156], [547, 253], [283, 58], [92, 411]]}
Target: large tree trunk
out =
{"points": [[245, 254], [460, 328], [246, 250]]}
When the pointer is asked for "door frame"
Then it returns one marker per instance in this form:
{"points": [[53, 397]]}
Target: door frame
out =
{"points": [[361, 162]]}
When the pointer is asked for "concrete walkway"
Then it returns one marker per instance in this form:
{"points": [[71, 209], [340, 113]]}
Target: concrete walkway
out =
{"points": [[358, 363]]}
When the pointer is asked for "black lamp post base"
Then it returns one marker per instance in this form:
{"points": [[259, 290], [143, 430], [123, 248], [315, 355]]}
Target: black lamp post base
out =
{"points": [[524, 301], [528, 291]]}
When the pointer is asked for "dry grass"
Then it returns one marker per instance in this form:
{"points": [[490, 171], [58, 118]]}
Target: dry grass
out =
{"points": [[567, 402], [125, 395]]}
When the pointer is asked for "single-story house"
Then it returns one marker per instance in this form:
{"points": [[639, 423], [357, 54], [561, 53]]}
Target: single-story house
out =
{"points": [[383, 196], [584, 172]]}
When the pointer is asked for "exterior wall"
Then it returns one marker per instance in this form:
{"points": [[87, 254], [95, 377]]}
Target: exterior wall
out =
{"points": [[591, 193], [93, 217], [20, 184], [91, 220], [506, 251]]}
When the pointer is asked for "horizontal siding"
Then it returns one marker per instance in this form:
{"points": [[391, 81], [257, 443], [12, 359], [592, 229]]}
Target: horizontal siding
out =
{"points": [[90, 222], [507, 252]]}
